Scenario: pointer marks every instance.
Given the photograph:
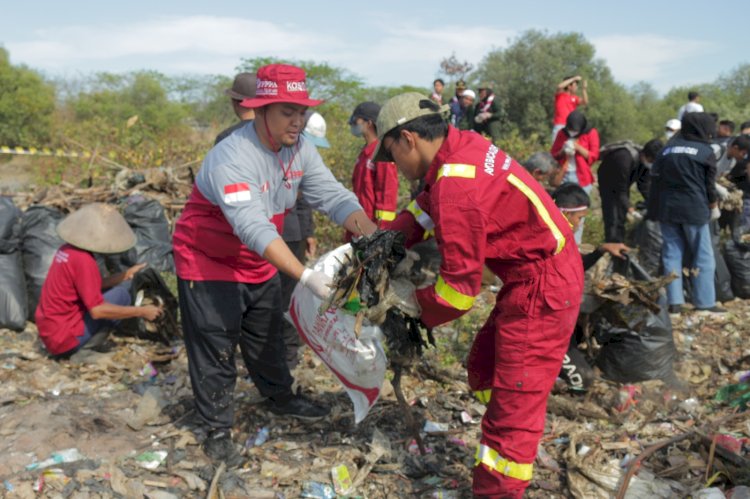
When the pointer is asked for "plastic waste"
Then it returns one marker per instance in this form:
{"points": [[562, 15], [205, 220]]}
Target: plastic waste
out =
{"points": [[736, 395], [342, 481], [151, 459], [317, 490], [261, 437], [433, 427], [63, 456]]}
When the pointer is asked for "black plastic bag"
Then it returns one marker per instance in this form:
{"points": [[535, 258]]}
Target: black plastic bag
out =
{"points": [[737, 257], [648, 239], [39, 243], [637, 343], [153, 239], [148, 288], [9, 215], [13, 301], [722, 276]]}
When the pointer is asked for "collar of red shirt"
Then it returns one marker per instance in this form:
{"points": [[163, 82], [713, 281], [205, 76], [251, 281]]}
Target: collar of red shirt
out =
{"points": [[369, 149]]}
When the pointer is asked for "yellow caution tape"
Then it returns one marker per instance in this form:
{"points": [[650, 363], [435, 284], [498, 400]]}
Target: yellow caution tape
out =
{"points": [[44, 151]]}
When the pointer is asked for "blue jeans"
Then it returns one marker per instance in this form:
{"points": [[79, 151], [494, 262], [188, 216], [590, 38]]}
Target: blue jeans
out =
{"points": [[117, 295], [572, 177], [693, 241]]}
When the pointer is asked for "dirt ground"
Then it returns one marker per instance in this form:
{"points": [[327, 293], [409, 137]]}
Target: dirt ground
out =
{"points": [[118, 410]]}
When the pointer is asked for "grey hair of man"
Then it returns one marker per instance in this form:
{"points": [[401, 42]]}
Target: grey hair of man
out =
{"points": [[543, 162]]}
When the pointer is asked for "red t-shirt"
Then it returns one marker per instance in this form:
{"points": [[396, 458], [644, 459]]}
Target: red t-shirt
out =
{"points": [[565, 104], [73, 286]]}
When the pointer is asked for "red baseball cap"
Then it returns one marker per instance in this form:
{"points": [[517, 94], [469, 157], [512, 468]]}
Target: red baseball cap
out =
{"points": [[280, 83]]}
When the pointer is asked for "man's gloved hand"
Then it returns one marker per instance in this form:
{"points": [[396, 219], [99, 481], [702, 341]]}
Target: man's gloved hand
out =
{"points": [[317, 282], [482, 117], [715, 213], [722, 192]]}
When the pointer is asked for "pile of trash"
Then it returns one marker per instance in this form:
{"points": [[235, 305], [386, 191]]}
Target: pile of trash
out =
{"points": [[663, 414]]}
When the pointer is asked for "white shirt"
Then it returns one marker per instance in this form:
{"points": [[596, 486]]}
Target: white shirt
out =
{"points": [[690, 107]]}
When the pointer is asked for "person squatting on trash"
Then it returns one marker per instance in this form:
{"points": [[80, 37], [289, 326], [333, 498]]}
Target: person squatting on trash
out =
{"points": [[375, 183], [517, 354], [228, 250], [73, 312]]}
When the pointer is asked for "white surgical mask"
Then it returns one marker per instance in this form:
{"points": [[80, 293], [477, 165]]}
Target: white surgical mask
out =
{"points": [[669, 134]]}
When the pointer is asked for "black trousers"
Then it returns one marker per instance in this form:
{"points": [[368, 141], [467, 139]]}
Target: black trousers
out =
{"points": [[614, 214], [291, 336], [216, 317]]}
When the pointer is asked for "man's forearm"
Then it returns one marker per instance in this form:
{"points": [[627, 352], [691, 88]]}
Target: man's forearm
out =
{"points": [[359, 224], [280, 256]]}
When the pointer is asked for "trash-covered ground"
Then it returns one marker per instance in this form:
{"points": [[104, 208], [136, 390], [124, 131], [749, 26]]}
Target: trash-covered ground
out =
{"points": [[120, 424]]}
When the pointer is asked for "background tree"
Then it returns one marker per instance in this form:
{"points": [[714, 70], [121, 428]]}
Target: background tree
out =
{"points": [[27, 103], [526, 75]]}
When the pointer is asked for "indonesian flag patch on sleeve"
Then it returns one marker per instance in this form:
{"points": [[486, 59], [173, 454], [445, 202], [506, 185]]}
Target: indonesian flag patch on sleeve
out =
{"points": [[236, 193]]}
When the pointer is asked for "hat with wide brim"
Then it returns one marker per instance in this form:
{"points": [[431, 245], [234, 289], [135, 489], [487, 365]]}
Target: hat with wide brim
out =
{"points": [[98, 228], [280, 83], [243, 87]]}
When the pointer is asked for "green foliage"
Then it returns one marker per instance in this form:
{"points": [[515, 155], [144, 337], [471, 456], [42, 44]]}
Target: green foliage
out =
{"points": [[131, 118], [526, 74], [27, 103]]}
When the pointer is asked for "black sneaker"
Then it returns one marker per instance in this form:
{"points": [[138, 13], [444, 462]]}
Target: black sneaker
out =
{"points": [[712, 310], [300, 407], [218, 446], [676, 309]]}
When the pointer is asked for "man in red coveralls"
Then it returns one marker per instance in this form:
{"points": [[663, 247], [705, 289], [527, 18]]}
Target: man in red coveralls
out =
{"points": [[374, 183], [486, 209]]}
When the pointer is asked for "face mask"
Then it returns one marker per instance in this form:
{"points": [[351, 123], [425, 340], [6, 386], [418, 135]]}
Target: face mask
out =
{"points": [[572, 135], [669, 134], [356, 129], [647, 165]]}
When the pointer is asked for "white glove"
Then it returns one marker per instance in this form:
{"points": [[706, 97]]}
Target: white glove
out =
{"points": [[482, 117], [722, 192], [317, 282], [715, 213]]}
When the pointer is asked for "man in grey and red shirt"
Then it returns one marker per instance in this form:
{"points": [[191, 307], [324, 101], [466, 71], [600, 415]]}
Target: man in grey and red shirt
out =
{"points": [[228, 251]]}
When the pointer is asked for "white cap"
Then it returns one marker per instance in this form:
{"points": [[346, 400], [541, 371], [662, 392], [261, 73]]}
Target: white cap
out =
{"points": [[469, 93], [315, 130], [673, 124]]}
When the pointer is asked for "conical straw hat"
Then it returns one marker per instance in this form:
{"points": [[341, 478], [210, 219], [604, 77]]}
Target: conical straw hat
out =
{"points": [[97, 227]]}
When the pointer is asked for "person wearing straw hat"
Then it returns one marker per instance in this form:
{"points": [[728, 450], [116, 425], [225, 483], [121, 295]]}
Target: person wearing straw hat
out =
{"points": [[73, 312], [484, 208], [228, 253], [243, 88]]}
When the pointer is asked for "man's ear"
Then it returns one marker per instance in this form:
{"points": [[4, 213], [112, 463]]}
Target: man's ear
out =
{"points": [[410, 138]]}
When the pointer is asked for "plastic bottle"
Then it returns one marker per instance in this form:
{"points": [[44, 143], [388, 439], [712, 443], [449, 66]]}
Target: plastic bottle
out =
{"points": [[261, 437]]}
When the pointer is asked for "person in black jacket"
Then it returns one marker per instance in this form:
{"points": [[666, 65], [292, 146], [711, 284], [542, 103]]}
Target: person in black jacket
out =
{"points": [[683, 199], [623, 165]]}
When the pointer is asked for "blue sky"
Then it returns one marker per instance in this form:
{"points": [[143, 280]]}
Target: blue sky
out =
{"points": [[385, 42]]}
